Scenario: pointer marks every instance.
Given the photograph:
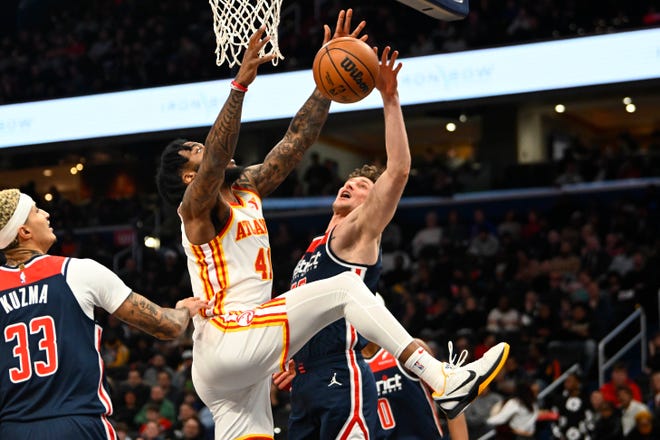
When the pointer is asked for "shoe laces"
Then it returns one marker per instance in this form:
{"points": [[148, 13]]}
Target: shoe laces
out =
{"points": [[455, 361]]}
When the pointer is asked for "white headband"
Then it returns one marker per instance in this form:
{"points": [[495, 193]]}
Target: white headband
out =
{"points": [[18, 219]]}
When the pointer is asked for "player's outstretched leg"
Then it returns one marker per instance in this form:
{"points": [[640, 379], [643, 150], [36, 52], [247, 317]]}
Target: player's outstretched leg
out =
{"points": [[462, 384], [313, 306]]}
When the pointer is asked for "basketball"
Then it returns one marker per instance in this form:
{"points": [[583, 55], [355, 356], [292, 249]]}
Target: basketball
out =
{"points": [[345, 69]]}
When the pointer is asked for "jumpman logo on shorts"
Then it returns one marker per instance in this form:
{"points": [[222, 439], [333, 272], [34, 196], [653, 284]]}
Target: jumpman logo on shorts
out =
{"points": [[334, 380]]}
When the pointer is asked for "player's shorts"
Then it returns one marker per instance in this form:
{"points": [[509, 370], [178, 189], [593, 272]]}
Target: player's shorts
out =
{"points": [[332, 399], [59, 428], [233, 359]]}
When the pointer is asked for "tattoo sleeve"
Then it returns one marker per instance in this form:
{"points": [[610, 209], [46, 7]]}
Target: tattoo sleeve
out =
{"points": [[163, 323], [220, 146], [303, 131]]}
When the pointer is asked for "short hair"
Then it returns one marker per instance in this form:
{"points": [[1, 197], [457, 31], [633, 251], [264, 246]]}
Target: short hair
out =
{"points": [[371, 172], [168, 178]]}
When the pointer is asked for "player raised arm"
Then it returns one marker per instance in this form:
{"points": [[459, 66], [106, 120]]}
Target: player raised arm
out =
{"points": [[380, 205], [160, 322], [202, 193], [304, 128]]}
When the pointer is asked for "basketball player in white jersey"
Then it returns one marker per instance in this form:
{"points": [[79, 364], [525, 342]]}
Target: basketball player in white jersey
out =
{"points": [[225, 238]]}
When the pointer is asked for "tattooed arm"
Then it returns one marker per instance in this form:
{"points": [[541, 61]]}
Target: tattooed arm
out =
{"points": [[160, 322], [304, 128], [287, 154], [203, 192]]}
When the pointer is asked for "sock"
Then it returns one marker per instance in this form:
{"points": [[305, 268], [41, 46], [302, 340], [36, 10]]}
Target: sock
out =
{"points": [[427, 368]]}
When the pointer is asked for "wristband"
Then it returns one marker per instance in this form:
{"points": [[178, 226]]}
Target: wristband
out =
{"points": [[238, 87]]}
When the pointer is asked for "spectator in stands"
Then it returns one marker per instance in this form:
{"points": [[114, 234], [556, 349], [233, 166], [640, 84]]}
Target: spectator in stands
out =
{"points": [[566, 263], [114, 353], [653, 363], [172, 393], [151, 430], [481, 223], [426, 241], [186, 412], [182, 379], [455, 234], [622, 263], [317, 176], [193, 429], [574, 341], [653, 401], [608, 422], [593, 258], [630, 408], [518, 414], [646, 427], [399, 272], [503, 320], [126, 408], [576, 421], [484, 245], [158, 364], [135, 384], [510, 225], [163, 406], [468, 316], [545, 324], [624, 301], [532, 226], [570, 174], [619, 378], [600, 307], [478, 412]]}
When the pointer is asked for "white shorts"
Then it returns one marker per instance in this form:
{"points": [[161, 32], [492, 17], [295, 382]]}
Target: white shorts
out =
{"points": [[235, 354], [233, 358]]}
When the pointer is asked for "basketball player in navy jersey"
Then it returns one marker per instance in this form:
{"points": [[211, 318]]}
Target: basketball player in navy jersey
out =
{"points": [[52, 384], [333, 393], [406, 409]]}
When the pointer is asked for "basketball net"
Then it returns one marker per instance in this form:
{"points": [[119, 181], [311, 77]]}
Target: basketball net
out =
{"points": [[235, 21]]}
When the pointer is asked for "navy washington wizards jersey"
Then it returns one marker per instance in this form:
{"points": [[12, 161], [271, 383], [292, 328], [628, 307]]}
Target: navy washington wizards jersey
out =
{"points": [[334, 393], [406, 409], [319, 263], [50, 364]]}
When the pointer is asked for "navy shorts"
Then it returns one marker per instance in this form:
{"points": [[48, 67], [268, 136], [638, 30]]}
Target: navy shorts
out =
{"points": [[323, 406], [59, 428]]}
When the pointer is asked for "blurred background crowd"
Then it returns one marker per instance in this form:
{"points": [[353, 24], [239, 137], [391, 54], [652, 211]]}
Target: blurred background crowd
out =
{"points": [[58, 48]]}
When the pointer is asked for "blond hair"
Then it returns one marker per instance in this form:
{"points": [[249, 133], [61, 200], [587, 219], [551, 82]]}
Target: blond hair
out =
{"points": [[8, 203]]}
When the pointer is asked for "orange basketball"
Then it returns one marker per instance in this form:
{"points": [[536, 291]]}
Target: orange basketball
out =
{"points": [[345, 69]]}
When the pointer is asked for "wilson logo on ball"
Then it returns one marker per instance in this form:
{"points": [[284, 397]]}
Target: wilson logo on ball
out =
{"points": [[355, 73]]}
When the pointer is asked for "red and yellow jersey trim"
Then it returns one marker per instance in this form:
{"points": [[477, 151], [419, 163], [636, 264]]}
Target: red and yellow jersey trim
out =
{"points": [[272, 313], [219, 270], [255, 437]]}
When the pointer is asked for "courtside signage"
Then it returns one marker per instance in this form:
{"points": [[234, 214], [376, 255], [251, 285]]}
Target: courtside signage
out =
{"points": [[578, 62]]}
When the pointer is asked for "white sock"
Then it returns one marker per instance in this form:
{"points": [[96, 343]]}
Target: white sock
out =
{"points": [[427, 368]]}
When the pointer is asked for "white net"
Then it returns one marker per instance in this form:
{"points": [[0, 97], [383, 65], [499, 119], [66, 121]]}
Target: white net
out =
{"points": [[235, 21]]}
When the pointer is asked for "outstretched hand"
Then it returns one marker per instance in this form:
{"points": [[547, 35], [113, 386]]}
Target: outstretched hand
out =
{"points": [[387, 82], [195, 305], [343, 27], [283, 379], [251, 59]]}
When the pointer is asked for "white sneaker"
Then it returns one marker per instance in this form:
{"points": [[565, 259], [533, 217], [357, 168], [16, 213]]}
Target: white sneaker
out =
{"points": [[464, 383]]}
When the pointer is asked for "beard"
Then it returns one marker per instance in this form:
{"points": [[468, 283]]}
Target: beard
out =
{"points": [[232, 174]]}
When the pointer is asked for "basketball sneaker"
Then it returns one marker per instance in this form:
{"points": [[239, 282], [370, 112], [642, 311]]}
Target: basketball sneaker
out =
{"points": [[464, 383]]}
